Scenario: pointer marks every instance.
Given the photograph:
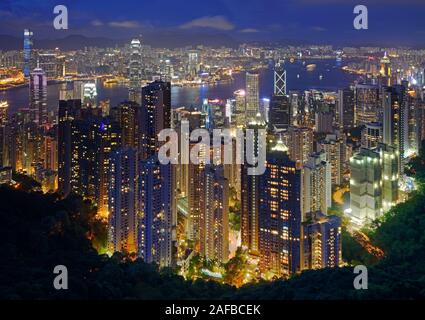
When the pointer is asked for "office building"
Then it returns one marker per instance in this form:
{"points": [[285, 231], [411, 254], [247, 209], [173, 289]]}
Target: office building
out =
{"points": [[367, 104], [135, 71], [372, 135], [38, 97], [28, 54], [252, 95]]}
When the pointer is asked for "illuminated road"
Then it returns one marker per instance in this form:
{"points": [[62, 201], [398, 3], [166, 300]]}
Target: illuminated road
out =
{"points": [[365, 242]]}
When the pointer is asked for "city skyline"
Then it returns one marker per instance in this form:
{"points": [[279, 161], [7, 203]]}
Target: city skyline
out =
{"points": [[242, 168]]}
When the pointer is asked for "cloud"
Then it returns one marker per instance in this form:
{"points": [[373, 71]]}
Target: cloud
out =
{"points": [[318, 29], [354, 2], [213, 22], [128, 24], [97, 23], [5, 13], [249, 30]]}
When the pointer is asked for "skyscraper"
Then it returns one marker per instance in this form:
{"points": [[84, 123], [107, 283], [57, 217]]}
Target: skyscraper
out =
{"points": [[215, 221], [346, 108], [252, 95], [155, 115], [193, 64], [316, 184], [129, 119], [28, 56], [322, 243], [365, 187], [280, 214], [367, 105], [38, 97], [279, 79], [250, 185], [155, 226], [123, 201], [280, 109], [385, 70], [3, 120], [395, 120], [239, 114], [374, 183], [68, 111], [372, 135], [299, 141], [334, 146], [135, 70]]}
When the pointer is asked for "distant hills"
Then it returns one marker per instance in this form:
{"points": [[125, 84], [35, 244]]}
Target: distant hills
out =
{"points": [[160, 40]]}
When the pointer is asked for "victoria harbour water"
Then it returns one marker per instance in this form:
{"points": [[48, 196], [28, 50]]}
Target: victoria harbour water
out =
{"points": [[326, 76]]}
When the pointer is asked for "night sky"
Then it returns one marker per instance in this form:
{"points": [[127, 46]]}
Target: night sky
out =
{"points": [[390, 22]]}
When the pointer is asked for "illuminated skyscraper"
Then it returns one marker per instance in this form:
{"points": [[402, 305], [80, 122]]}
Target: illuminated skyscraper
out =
{"points": [[68, 111], [129, 119], [28, 55], [372, 135], [239, 116], [280, 109], [250, 185], [252, 95], [385, 70], [367, 105], [215, 221], [374, 183], [89, 95], [346, 108], [334, 147], [135, 70], [324, 121], [3, 120], [365, 187], [123, 201], [322, 242], [48, 62], [155, 115], [395, 120], [156, 216], [300, 144], [38, 97], [193, 64], [280, 214], [316, 184], [279, 79]]}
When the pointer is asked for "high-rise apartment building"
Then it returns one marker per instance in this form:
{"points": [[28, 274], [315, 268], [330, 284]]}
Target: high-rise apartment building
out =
{"points": [[155, 116], [123, 201], [316, 184], [215, 221], [322, 242], [280, 214]]}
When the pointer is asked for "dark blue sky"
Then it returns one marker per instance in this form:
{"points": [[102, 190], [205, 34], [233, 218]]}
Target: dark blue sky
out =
{"points": [[391, 22]]}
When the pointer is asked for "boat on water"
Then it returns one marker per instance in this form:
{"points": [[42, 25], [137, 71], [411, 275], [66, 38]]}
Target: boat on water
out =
{"points": [[311, 67]]}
